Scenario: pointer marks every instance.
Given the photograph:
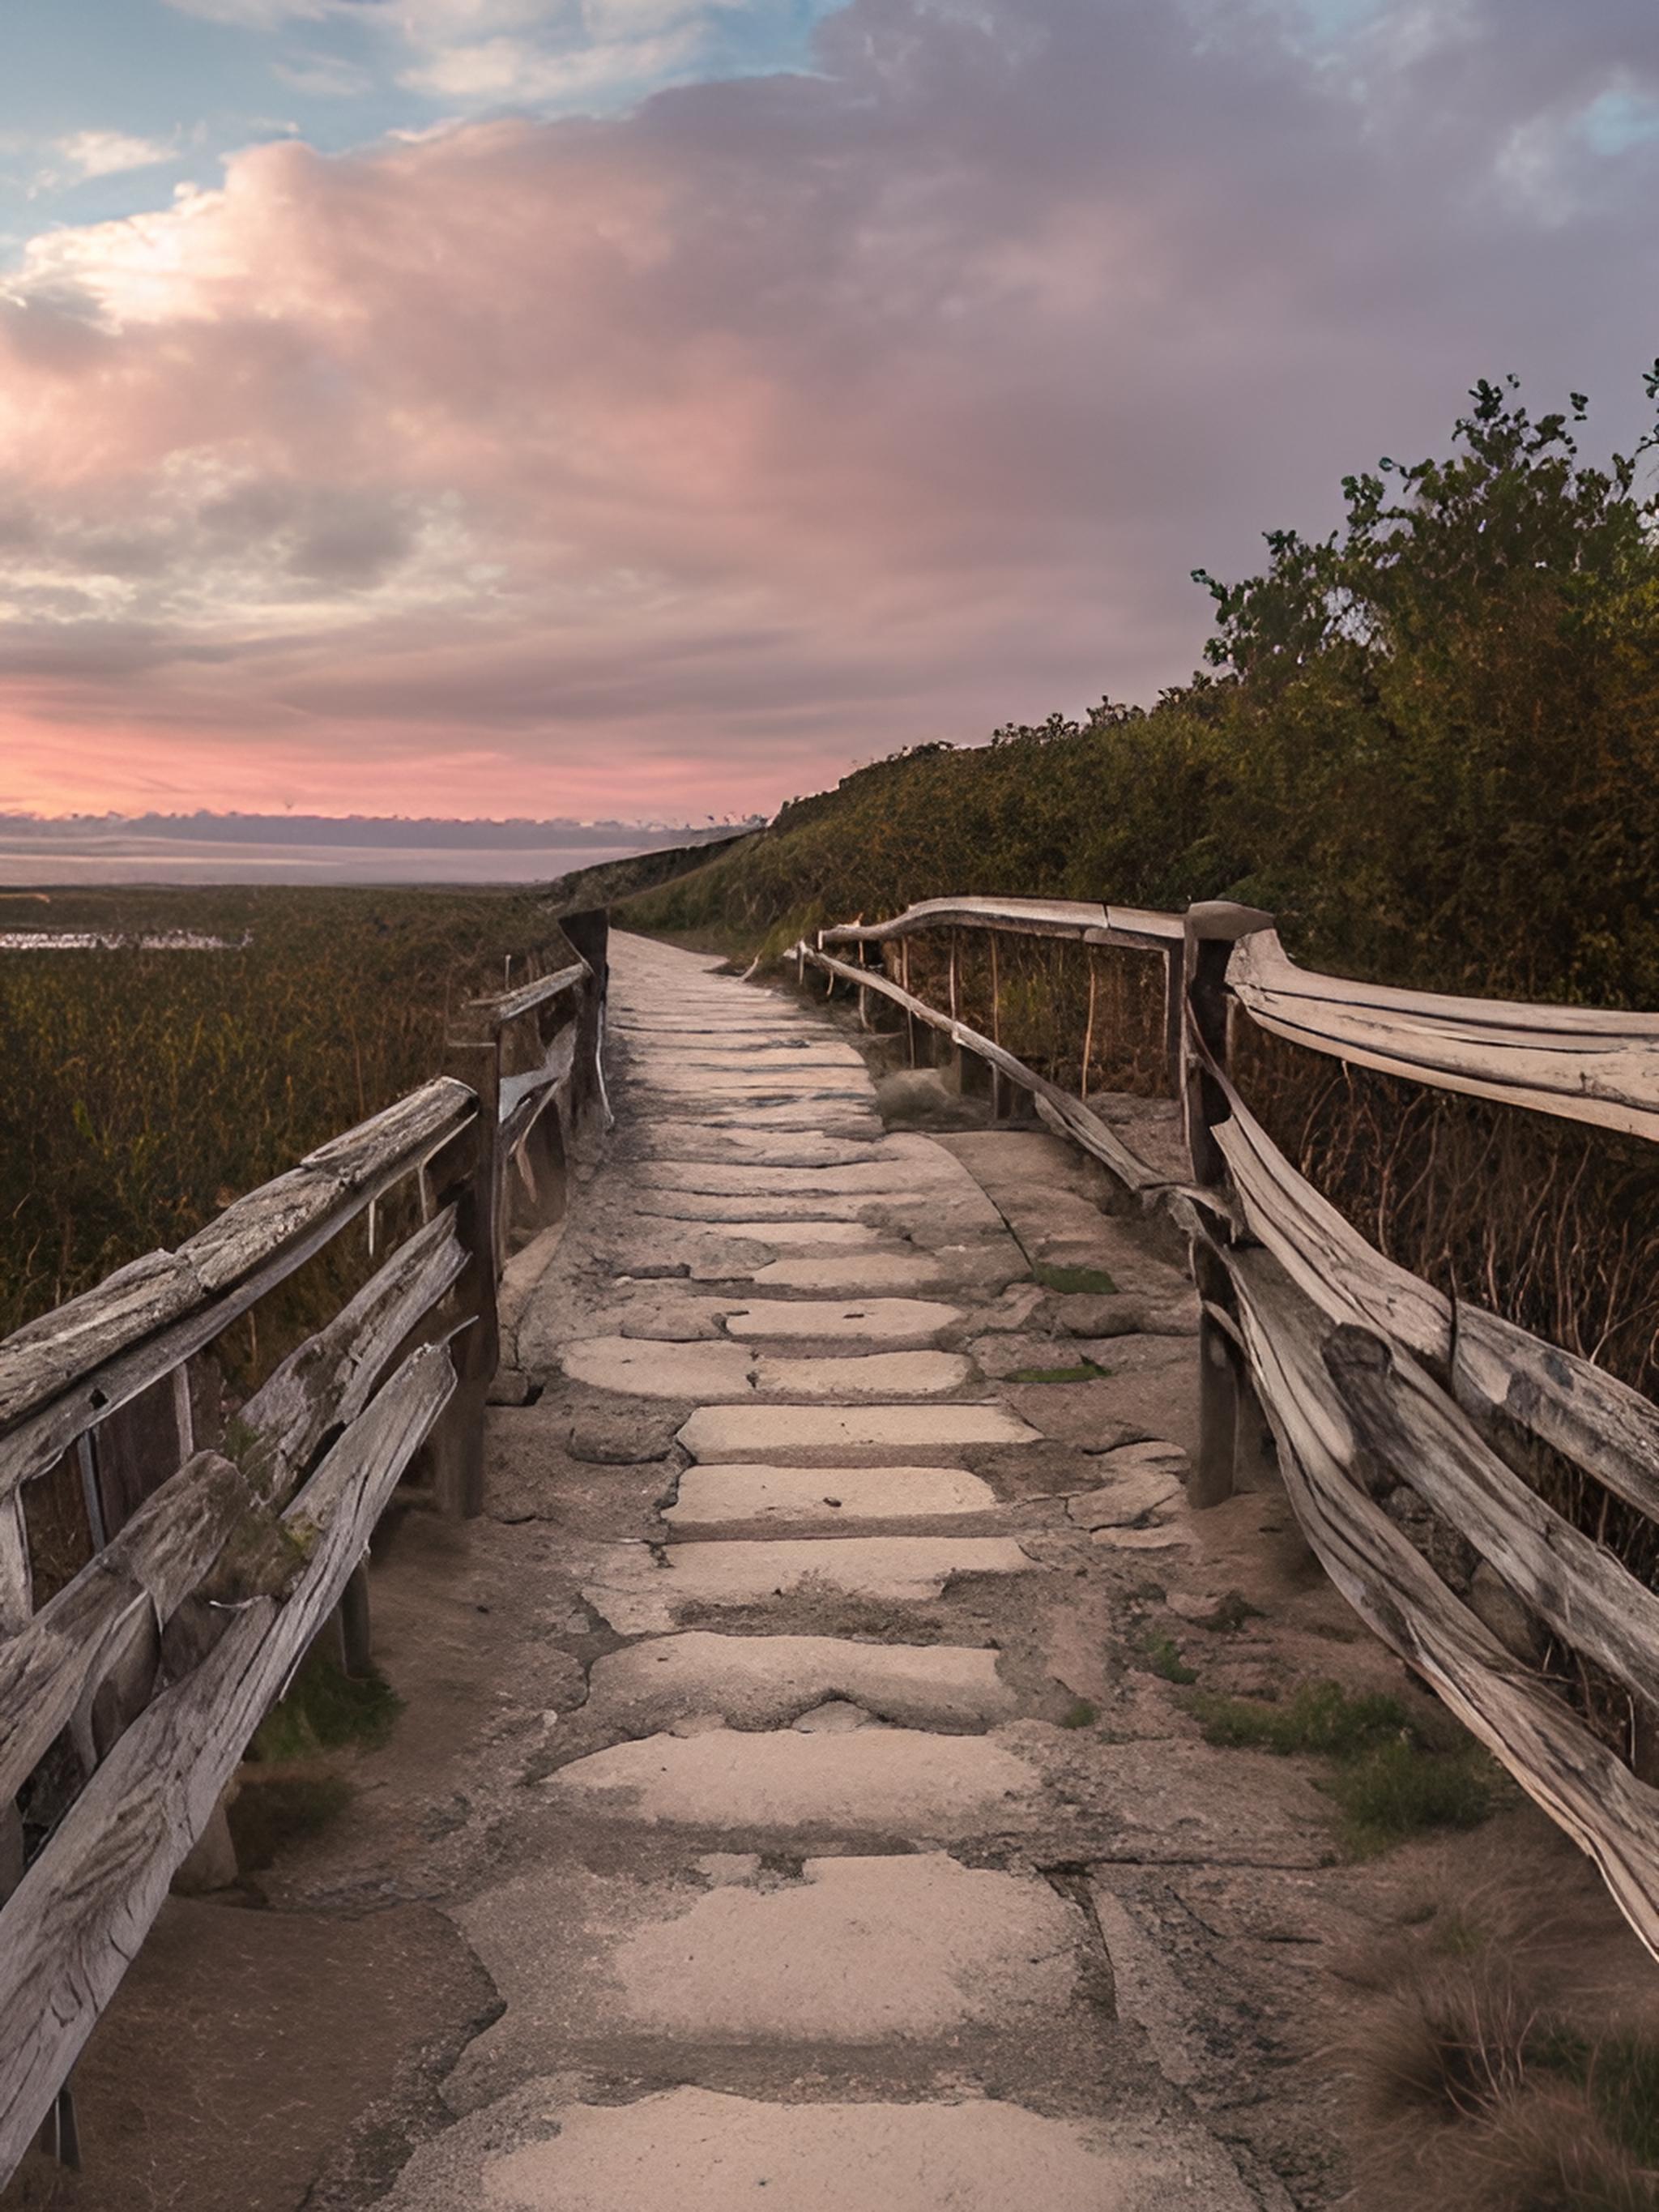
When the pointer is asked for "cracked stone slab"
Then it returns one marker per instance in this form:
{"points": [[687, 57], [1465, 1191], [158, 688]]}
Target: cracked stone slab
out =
{"points": [[760, 1048], [651, 1368], [897, 1323], [845, 1436], [660, 1367], [863, 1375], [857, 1950], [740, 1082], [784, 1148], [878, 1272], [874, 1781], [753, 1210], [639, 1597], [833, 1114], [770, 1681], [1141, 1493], [884, 1177], [786, 1236], [758, 1499], [700, 2150]]}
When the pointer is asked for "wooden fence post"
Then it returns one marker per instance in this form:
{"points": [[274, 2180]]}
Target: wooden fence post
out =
{"points": [[1212, 928], [1174, 1004], [996, 1028], [589, 934], [456, 1445]]}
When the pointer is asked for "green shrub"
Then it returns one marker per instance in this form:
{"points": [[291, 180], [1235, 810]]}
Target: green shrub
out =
{"points": [[1395, 1773], [325, 1710], [1322, 1716], [1163, 1657]]}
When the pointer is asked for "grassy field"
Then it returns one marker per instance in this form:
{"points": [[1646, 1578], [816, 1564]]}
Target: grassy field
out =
{"points": [[141, 1090]]}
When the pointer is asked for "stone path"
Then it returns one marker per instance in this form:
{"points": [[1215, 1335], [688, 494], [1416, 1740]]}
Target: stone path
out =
{"points": [[801, 1910]]}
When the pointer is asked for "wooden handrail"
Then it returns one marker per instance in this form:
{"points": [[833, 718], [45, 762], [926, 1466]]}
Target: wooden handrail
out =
{"points": [[1366, 1373], [240, 1554]]}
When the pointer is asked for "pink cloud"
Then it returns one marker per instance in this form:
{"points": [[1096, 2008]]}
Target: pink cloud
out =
{"points": [[677, 460]]}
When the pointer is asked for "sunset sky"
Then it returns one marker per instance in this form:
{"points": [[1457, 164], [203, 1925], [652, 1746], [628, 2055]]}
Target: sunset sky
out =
{"points": [[631, 406]]}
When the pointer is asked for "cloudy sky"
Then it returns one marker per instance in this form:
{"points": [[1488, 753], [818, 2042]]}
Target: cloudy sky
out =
{"points": [[625, 406]]}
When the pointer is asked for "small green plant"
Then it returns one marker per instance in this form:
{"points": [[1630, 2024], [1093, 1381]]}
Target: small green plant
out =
{"points": [[1320, 1718], [1080, 1715], [1163, 1656], [1618, 2073], [1091, 1282], [1396, 1774], [1085, 1370], [1396, 1791], [270, 1812], [325, 1710]]}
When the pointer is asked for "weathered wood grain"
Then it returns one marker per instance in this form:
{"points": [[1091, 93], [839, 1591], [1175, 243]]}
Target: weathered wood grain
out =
{"points": [[70, 1929], [1057, 1107], [1585, 1063], [327, 1381], [148, 1569], [45, 1356], [34, 1443], [409, 1131], [1608, 1429], [1613, 1817], [508, 1005], [1407, 1424], [16, 1579], [1032, 917], [1327, 1257], [526, 1097]]}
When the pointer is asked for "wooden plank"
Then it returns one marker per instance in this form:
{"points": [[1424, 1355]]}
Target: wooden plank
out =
{"points": [[1409, 1425], [1562, 1767], [81, 1912], [1580, 1410], [1072, 918], [508, 1005], [1146, 925], [1063, 1113], [406, 1132], [526, 1097], [1325, 1255], [1584, 1063], [35, 1443], [157, 1560], [45, 1356], [329, 1379], [16, 1578]]}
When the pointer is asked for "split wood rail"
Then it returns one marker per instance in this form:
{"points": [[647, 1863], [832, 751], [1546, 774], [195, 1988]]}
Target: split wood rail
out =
{"points": [[128, 1698], [1369, 1377]]}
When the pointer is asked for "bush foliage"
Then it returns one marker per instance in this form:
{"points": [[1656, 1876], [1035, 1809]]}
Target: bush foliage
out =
{"points": [[1428, 743]]}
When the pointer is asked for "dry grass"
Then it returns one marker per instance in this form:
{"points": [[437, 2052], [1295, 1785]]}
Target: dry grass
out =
{"points": [[1499, 2068]]}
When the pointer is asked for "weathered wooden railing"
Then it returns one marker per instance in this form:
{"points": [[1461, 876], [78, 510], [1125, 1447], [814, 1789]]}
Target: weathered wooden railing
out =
{"points": [[128, 1698], [1370, 1379]]}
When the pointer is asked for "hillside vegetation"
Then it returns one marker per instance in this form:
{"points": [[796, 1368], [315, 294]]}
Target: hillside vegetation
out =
{"points": [[1428, 743]]}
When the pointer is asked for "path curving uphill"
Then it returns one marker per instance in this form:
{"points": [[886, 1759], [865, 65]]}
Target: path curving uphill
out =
{"points": [[807, 1906]]}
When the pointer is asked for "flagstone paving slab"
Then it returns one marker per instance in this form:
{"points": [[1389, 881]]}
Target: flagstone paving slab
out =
{"points": [[770, 1681], [881, 1781], [849, 1436], [640, 1594], [697, 2150], [759, 1498]]}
